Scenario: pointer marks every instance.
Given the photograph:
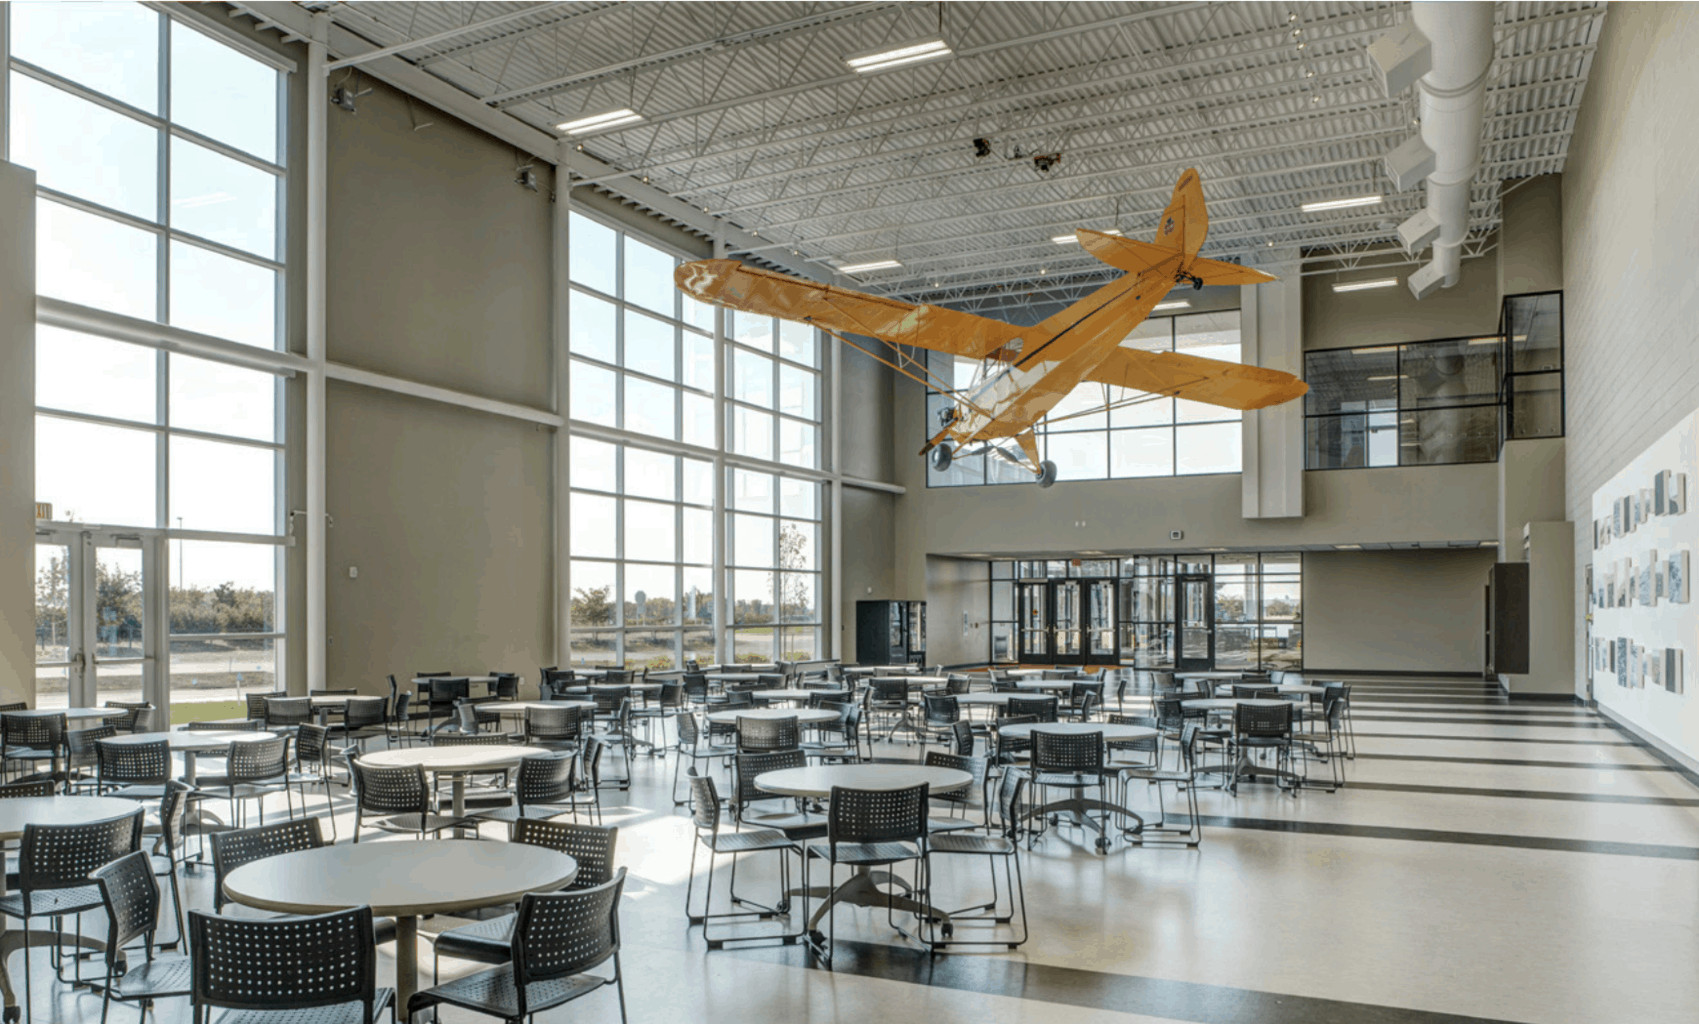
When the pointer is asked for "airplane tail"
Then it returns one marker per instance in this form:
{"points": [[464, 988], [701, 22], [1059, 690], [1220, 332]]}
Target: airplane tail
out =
{"points": [[1185, 223], [1179, 236]]}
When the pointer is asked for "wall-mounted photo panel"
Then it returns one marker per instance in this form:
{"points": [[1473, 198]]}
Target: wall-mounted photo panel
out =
{"points": [[1674, 670], [1675, 573], [1647, 593]]}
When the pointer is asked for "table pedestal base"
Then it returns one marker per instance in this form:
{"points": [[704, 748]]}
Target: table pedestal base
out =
{"points": [[406, 962], [1080, 809], [12, 941], [861, 889]]}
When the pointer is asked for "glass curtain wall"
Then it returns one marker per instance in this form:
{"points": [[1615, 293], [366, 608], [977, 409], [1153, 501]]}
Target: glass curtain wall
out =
{"points": [[1258, 605], [641, 517], [1150, 436], [159, 156]]}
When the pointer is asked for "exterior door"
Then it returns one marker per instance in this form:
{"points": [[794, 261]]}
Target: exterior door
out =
{"points": [[1195, 625], [1101, 646], [1066, 618], [94, 605], [1032, 624]]}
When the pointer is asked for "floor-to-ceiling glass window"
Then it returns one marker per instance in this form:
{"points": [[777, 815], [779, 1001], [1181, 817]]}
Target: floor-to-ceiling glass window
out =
{"points": [[643, 591], [159, 157]]}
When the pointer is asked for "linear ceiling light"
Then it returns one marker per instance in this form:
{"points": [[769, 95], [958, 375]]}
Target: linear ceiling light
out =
{"points": [[1339, 204], [597, 122], [1347, 547], [1177, 304], [896, 56], [862, 268], [1070, 237], [1363, 286]]}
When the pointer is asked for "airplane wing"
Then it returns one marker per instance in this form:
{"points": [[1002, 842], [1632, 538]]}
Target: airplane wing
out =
{"points": [[732, 283], [1222, 272], [1214, 381]]}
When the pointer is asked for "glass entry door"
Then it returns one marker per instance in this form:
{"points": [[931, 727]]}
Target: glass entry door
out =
{"points": [[1032, 601], [1065, 615], [1195, 633], [1101, 647], [93, 608]]}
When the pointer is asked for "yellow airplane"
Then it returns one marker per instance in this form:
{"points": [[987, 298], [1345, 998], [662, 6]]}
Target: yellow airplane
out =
{"points": [[1026, 371]]}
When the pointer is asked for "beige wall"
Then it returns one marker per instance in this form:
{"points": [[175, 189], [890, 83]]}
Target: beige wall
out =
{"points": [[1530, 257], [1385, 315], [445, 514], [1395, 611], [439, 262], [1630, 246], [17, 426], [958, 603]]}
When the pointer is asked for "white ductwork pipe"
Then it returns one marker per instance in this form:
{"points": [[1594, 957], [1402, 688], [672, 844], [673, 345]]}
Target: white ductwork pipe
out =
{"points": [[1450, 45]]}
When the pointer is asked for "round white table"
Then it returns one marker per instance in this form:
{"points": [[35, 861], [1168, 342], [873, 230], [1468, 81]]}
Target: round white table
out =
{"points": [[1110, 731], [1078, 806], [1228, 703], [455, 762], [803, 716], [1049, 684], [632, 687], [404, 880], [1029, 672], [985, 699], [15, 815], [1226, 689], [799, 696], [862, 888], [518, 708], [192, 742], [733, 677]]}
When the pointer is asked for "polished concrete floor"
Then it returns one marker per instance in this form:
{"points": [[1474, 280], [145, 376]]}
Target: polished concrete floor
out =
{"points": [[1485, 862]]}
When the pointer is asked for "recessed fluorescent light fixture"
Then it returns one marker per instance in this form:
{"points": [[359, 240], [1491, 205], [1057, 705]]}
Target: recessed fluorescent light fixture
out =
{"points": [[1489, 543], [1387, 376], [1363, 286], [1214, 551], [1372, 351], [896, 56], [1347, 547], [1485, 341], [1339, 204], [597, 122], [862, 268], [1065, 239], [1177, 304]]}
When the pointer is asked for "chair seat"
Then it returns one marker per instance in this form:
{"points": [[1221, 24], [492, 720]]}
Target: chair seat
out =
{"points": [[1156, 775], [866, 853], [53, 901], [713, 750], [138, 793], [795, 826], [1074, 780], [950, 823], [155, 979], [493, 992], [973, 843], [749, 841], [341, 1013], [1264, 741], [487, 942], [28, 754]]}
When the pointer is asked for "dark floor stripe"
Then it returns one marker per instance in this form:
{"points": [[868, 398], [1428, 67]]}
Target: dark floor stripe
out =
{"points": [[1121, 993], [1428, 835], [1454, 720], [1489, 739], [1418, 708], [1530, 794], [1513, 762]]}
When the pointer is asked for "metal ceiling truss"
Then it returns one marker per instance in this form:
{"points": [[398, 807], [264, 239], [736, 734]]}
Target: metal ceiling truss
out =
{"points": [[755, 133]]}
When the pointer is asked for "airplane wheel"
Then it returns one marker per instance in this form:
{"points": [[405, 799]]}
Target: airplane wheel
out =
{"points": [[1046, 473], [942, 456]]}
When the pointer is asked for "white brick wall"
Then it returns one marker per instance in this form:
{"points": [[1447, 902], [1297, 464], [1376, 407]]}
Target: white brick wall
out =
{"points": [[1631, 253]]}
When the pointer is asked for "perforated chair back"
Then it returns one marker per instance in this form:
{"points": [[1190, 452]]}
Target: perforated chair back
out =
{"points": [[592, 846], [312, 745], [80, 744], [61, 856], [390, 790], [33, 788], [957, 684], [34, 732], [446, 692], [961, 737], [1067, 753], [544, 779], [888, 692], [608, 698], [236, 847], [1257, 721], [1009, 792], [131, 895], [506, 686], [251, 761], [284, 712], [365, 712], [1170, 716], [877, 815], [284, 963], [752, 766], [554, 725], [247, 725], [978, 767], [1041, 708], [173, 809], [475, 739], [137, 715], [704, 803], [1252, 691], [941, 710], [672, 695], [559, 934], [763, 734], [134, 764]]}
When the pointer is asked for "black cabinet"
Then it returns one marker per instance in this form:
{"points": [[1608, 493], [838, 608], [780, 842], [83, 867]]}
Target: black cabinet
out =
{"points": [[1507, 619], [890, 632]]}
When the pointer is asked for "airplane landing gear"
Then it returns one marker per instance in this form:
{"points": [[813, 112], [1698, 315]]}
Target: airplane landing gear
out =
{"points": [[1197, 283], [942, 456], [1046, 473]]}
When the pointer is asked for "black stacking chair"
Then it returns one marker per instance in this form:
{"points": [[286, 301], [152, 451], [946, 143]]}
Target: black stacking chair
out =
{"points": [[318, 963], [32, 740], [1003, 843], [840, 740], [54, 862], [1184, 781], [545, 782], [939, 714], [959, 802], [1042, 708], [233, 848], [138, 715], [559, 728], [558, 938], [868, 829], [1259, 727], [889, 697], [130, 894], [254, 769], [81, 757], [138, 771], [1074, 762], [363, 718], [282, 713], [705, 814], [443, 695], [314, 755], [794, 822], [172, 830], [490, 941], [402, 798], [693, 745]]}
